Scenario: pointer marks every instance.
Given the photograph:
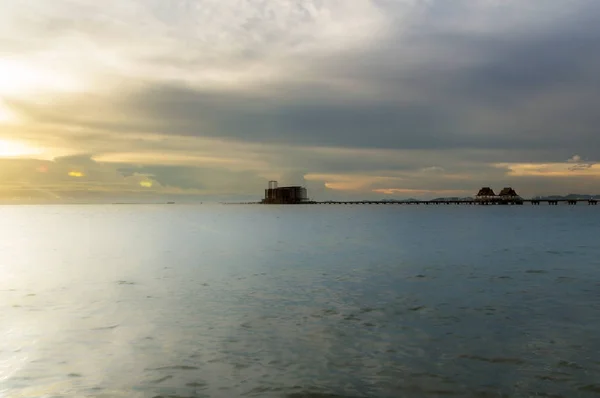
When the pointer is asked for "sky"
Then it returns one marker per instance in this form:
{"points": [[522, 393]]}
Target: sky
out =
{"points": [[208, 100]]}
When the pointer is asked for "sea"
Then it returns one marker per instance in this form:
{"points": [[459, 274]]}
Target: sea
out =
{"points": [[314, 301]]}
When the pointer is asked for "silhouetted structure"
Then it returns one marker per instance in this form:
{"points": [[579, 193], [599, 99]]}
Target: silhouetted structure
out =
{"points": [[508, 193], [509, 196], [485, 196], [284, 195], [486, 193]]}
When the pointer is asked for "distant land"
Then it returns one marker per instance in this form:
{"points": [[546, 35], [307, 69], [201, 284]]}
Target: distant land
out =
{"points": [[453, 198]]}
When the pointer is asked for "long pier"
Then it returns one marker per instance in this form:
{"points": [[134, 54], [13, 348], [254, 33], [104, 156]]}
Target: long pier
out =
{"points": [[534, 202]]}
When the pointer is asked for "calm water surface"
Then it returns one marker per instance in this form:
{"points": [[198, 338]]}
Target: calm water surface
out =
{"points": [[316, 301]]}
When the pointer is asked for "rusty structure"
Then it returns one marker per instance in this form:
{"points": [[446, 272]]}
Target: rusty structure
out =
{"points": [[284, 195]]}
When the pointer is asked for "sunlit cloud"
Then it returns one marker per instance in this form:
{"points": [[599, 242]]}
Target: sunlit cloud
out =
{"points": [[175, 158], [421, 192], [259, 41], [344, 182], [562, 170], [579, 163]]}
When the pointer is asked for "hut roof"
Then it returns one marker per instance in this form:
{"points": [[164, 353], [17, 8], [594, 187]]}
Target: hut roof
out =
{"points": [[486, 191], [508, 191]]}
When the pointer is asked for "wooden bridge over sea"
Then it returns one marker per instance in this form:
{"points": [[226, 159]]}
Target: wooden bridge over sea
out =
{"points": [[534, 202], [485, 197]]}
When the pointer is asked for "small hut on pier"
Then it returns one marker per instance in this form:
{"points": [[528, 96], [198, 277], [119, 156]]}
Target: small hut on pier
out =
{"points": [[510, 196], [486, 194], [508, 193]]}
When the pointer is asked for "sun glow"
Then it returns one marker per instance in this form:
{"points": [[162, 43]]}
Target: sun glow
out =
{"points": [[6, 116], [13, 149], [18, 78]]}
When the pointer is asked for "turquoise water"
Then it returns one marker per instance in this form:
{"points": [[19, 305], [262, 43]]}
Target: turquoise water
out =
{"points": [[300, 301]]}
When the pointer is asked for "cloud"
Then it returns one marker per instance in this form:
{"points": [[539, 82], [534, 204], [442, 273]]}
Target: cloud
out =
{"points": [[351, 97], [433, 169], [73, 178], [422, 192], [435, 86], [202, 41], [580, 164]]}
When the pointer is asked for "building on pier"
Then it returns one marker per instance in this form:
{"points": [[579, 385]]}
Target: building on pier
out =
{"points": [[506, 196], [508, 193], [284, 195], [509, 196], [486, 194]]}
